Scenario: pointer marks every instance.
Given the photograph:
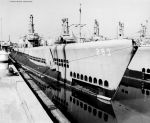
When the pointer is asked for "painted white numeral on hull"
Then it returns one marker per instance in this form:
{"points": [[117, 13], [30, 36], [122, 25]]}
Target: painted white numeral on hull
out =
{"points": [[97, 51], [108, 52], [103, 52]]}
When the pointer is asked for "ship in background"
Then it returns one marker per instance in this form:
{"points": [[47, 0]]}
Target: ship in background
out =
{"points": [[131, 102], [132, 98]]}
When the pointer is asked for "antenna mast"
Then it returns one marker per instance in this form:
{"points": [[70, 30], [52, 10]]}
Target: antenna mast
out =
{"points": [[80, 22], [80, 25], [1, 34]]}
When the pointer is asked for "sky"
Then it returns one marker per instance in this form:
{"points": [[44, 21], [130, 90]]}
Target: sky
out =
{"points": [[48, 15]]}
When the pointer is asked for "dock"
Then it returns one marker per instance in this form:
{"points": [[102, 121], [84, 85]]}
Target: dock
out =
{"points": [[18, 104]]}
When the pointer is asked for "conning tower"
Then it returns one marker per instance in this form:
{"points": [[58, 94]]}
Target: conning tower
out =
{"points": [[96, 36], [143, 30], [32, 37], [96, 28], [65, 36], [31, 25], [65, 28], [121, 30]]}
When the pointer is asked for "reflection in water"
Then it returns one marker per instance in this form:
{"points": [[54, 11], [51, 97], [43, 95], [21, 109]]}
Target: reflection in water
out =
{"points": [[129, 105], [81, 107], [77, 106], [132, 101]]}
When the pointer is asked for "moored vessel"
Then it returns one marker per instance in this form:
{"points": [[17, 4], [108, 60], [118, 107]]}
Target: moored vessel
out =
{"points": [[133, 93], [99, 66]]}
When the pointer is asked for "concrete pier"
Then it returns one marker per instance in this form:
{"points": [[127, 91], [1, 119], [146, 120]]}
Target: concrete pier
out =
{"points": [[17, 102]]}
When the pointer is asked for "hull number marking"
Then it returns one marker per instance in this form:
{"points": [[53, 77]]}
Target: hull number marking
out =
{"points": [[103, 52]]}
